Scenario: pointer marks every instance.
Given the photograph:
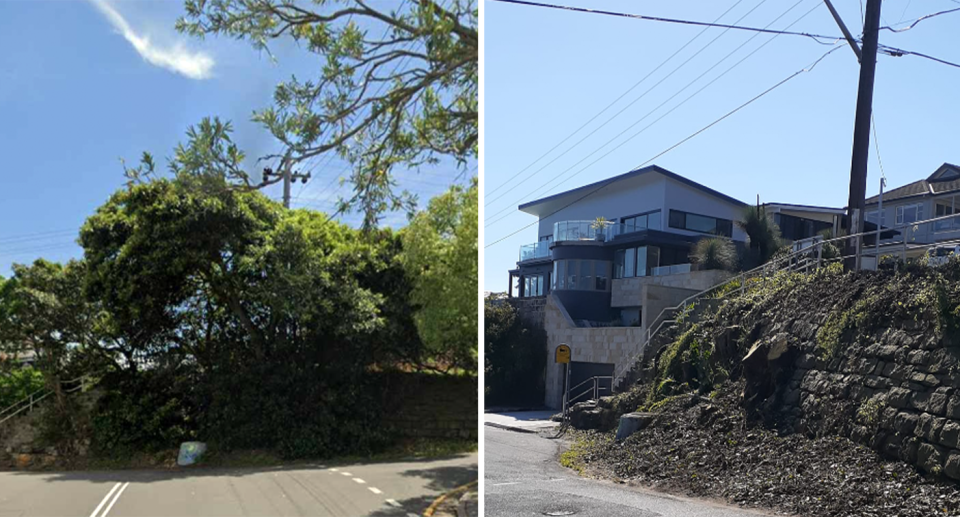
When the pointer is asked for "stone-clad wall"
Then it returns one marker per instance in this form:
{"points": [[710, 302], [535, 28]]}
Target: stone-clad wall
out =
{"points": [[595, 345], [899, 395]]}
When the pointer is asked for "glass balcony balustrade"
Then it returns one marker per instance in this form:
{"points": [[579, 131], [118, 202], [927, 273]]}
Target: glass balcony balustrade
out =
{"points": [[584, 231], [536, 250]]}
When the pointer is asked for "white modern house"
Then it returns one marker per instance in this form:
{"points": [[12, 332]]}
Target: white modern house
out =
{"points": [[610, 256]]}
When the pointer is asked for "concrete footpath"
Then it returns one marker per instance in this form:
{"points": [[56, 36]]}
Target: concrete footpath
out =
{"points": [[389, 489], [521, 421]]}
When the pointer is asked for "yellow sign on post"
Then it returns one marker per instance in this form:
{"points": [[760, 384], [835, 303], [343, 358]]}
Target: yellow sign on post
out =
{"points": [[563, 354]]}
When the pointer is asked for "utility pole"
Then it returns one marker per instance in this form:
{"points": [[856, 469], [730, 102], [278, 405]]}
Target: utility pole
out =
{"points": [[861, 128], [288, 177]]}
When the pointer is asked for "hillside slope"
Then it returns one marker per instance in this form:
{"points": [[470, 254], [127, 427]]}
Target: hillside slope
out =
{"points": [[820, 394]]}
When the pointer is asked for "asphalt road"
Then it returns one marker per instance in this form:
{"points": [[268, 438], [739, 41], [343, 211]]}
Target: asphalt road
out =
{"points": [[397, 489], [522, 478]]}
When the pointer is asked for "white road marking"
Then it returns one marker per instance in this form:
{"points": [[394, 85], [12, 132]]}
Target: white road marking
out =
{"points": [[105, 498], [105, 512], [358, 480], [335, 470], [412, 515], [374, 490], [346, 473], [393, 503]]}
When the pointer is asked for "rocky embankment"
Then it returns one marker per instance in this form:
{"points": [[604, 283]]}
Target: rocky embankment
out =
{"points": [[825, 394]]}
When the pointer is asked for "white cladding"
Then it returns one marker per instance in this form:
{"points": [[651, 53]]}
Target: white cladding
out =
{"points": [[644, 193]]}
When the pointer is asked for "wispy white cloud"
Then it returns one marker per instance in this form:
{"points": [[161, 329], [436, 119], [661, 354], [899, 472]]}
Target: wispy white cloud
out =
{"points": [[195, 65]]}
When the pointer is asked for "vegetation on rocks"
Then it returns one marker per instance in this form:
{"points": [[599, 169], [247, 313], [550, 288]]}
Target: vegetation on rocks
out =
{"points": [[822, 394]]}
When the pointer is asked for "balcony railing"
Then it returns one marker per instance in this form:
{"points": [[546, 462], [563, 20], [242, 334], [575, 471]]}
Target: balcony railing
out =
{"points": [[535, 251], [584, 231], [670, 270]]}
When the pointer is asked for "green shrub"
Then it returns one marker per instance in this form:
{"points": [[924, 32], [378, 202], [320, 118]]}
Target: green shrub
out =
{"points": [[18, 384], [515, 357]]}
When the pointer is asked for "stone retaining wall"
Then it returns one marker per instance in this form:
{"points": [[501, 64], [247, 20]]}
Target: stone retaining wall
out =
{"points": [[899, 394], [431, 406]]}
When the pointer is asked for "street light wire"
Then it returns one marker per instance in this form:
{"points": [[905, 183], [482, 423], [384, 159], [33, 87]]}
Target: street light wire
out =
{"points": [[505, 212], [608, 106], [815, 37], [912, 25], [605, 184]]}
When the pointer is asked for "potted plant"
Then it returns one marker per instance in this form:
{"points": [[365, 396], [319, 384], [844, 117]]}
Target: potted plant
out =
{"points": [[600, 225]]}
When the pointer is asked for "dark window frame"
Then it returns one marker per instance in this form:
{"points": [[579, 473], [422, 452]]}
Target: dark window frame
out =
{"points": [[682, 215]]}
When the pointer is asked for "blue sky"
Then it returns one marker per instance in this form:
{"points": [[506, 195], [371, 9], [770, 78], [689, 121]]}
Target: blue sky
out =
{"points": [[547, 72], [84, 83]]}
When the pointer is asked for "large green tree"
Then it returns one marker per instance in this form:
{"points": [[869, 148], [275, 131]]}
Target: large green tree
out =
{"points": [[396, 85], [275, 315], [440, 254]]}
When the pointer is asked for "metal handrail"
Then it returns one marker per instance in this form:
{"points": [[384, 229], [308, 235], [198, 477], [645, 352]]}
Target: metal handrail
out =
{"points": [[568, 402], [31, 400], [774, 266]]}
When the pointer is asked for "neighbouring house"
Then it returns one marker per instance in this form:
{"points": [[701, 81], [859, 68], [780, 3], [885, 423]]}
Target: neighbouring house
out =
{"points": [[24, 358], [929, 198], [609, 257], [799, 222]]}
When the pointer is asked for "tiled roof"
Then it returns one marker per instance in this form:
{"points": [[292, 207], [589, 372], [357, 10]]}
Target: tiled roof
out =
{"points": [[932, 185]]}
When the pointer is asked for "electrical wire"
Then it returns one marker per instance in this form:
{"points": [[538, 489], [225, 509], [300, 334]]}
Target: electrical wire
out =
{"points": [[899, 52], [608, 106], [51, 234], [876, 143], [560, 178], [607, 183], [815, 37], [915, 22]]}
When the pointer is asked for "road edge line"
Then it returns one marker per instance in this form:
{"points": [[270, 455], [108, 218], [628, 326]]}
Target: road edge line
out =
{"points": [[438, 501]]}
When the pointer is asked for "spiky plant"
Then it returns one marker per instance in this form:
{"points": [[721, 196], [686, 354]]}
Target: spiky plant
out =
{"points": [[714, 253], [763, 235]]}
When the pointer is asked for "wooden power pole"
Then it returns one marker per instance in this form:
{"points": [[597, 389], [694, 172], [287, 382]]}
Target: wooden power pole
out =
{"points": [[861, 128]]}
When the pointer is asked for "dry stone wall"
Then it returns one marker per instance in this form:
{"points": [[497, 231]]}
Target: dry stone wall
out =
{"points": [[898, 393]]}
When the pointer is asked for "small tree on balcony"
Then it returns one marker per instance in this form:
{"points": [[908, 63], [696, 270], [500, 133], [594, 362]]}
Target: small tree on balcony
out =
{"points": [[600, 224], [714, 253]]}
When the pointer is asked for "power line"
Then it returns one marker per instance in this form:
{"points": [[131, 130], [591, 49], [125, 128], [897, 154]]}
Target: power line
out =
{"points": [[559, 177], [708, 126], [52, 234], [624, 94], [898, 52], [915, 22], [506, 210], [815, 37]]}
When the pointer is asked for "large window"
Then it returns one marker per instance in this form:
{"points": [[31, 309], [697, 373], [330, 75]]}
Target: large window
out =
{"points": [[796, 228], [909, 214], [582, 275], [636, 223], [633, 262], [533, 285], [701, 223]]}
